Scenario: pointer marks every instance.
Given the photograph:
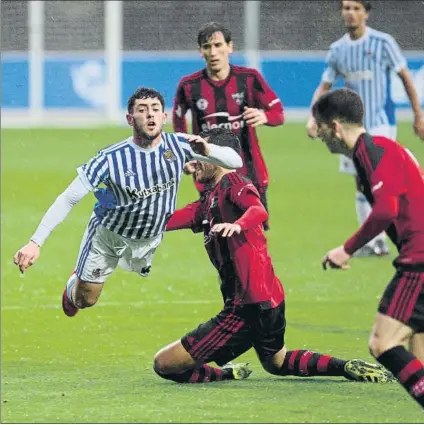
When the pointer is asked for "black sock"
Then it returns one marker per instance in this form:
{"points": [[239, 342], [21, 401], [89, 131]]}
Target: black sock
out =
{"points": [[408, 369], [308, 363], [201, 374]]}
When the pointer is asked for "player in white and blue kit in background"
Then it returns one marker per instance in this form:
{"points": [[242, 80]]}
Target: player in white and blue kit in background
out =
{"points": [[364, 58], [142, 175]]}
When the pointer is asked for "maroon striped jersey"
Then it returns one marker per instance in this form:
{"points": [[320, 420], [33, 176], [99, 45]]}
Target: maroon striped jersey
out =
{"points": [[242, 260], [221, 104], [393, 183]]}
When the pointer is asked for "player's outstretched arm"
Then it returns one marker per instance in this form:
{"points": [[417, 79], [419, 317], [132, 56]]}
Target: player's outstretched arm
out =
{"points": [[188, 217], [247, 199], [28, 254], [199, 149]]}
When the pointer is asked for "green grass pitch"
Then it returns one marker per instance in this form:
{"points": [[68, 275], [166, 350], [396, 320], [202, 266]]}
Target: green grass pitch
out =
{"points": [[97, 367]]}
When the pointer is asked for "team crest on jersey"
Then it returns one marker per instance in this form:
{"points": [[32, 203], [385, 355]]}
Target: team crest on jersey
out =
{"points": [[238, 98], [169, 155], [202, 104]]}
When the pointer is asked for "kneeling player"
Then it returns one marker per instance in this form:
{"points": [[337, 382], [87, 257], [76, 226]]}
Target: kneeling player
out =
{"points": [[253, 315]]}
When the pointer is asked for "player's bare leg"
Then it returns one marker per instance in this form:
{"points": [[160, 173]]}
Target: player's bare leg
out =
{"points": [[416, 345], [304, 363], [173, 362], [387, 345], [79, 294]]}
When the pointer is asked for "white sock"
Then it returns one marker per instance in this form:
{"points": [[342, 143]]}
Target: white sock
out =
{"points": [[363, 210], [69, 286]]}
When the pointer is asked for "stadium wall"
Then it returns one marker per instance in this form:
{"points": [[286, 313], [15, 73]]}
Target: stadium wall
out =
{"points": [[76, 91]]}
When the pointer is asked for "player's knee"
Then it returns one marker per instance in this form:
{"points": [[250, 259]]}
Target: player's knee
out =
{"points": [[274, 364], [271, 367], [85, 298], [378, 345], [160, 364]]}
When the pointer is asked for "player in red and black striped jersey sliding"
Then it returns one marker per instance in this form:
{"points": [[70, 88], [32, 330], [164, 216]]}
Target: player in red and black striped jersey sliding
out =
{"points": [[228, 96], [393, 183], [253, 315]]}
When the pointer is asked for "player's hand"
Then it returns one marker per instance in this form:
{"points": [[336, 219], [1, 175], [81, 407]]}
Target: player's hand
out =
{"points": [[419, 126], [190, 167], [227, 229], [254, 116], [337, 258], [26, 256], [312, 128], [199, 145]]}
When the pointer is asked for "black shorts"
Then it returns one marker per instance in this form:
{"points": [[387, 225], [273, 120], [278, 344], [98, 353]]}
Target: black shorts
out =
{"points": [[403, 298], [233, 332]]}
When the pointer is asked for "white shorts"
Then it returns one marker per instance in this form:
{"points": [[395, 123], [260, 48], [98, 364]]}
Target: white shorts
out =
{"points": [[102, 250], [389, 131]]}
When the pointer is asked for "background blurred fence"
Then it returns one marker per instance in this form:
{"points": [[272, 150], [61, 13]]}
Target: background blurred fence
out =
{"points": [[79, 61]]}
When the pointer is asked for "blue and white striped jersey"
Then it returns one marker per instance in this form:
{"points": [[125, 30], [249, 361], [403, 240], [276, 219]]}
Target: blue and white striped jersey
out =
{"points": [[365, 66], [144, 182]]}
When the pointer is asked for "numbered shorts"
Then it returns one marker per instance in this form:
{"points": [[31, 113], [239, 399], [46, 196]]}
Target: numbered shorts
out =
{"points": [[101, 251], [389, 131], [403, 298], [230, 334]]}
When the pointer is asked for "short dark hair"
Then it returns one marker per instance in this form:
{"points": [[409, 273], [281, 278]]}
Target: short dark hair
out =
{"points": [[144, 93], [343, 105], [222, 137], [207, 30], [366, 4]]}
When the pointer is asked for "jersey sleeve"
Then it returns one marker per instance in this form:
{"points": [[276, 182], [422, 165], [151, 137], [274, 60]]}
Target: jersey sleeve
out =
{"points": [[179, 110], [394, 56], [188, 217], [95, 171], [60, 209], [265, 98], [222, 156], [384, 182], [331, 72], [247, 198], [386, 187]]}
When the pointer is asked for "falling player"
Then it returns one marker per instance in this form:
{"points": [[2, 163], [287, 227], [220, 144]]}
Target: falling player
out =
{"points": [[142, 174]]}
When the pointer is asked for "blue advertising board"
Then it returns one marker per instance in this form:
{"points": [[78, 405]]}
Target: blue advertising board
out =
{"points": [[78, 81]]}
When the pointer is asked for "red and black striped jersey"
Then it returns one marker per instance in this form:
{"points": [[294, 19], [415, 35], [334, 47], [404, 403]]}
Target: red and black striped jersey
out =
{"points": [[242, 260], [393, 183], [222, 103]]}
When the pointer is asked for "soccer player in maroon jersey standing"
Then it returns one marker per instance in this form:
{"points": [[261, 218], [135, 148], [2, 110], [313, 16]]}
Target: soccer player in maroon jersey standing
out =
{"points": [[233, 97], [393, 183], [253, 314]]}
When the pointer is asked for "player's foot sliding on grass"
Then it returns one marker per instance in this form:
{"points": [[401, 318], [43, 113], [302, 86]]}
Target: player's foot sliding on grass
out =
{"points": [[393, 183], [253, 314]]}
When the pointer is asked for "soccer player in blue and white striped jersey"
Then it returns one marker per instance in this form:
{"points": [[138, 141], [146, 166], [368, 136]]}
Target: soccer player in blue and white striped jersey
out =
{"points": [[365, 58], [142, 173]]}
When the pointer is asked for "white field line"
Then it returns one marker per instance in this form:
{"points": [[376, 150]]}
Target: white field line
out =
{"points": [[135, 304]]}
